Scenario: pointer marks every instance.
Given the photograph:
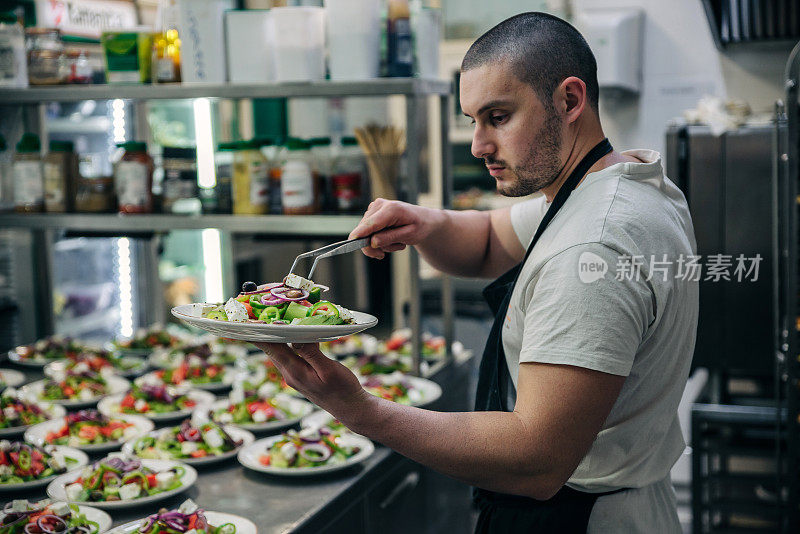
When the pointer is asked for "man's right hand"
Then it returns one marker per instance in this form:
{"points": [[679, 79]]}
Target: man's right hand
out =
{"points": [[394, 225]]}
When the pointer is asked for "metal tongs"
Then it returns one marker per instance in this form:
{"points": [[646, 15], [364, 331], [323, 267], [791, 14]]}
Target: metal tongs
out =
{"points": [[334, 249]]}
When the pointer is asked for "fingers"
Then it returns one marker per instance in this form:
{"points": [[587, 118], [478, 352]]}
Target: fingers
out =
{"points": [[396, 236], [368, 224], [286, 360]]}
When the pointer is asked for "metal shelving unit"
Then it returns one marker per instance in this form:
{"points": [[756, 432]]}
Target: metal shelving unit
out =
{"points": [[416, 92]]}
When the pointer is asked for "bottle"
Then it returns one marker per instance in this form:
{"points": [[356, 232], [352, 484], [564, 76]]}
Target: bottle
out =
{"points": [[250, 180], [13, 60], [276, 155], [60, 177], [133, 178], [322, 165], [398, 34], [166, 51], [28, 175], [223, 161], [180, 190], [298, 184], [348, 176], [77, 67]]}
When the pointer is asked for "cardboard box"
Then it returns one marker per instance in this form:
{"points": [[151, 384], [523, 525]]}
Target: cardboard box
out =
{"points": [[127, 55]]}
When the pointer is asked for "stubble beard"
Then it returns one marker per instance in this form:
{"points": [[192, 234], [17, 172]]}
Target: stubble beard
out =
{"points": [[542, 164]]}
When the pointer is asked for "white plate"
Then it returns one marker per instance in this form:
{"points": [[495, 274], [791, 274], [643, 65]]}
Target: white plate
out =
{"points": [[269, 425], [229, 376], [319, 419], [110, 406], [115, 384], [53, 410], [249, 456], [56, 491], [37, 433], [270, 333], [30, 362], [430, 389], [140, 367], [236, 433], [10, 378], [102, 519], [69, 452], [243, 525]]}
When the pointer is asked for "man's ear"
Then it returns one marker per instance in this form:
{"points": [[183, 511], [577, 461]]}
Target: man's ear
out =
{"points": [[570, 98]]}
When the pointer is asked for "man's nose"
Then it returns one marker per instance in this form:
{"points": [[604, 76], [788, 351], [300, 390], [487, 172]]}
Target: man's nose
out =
{"points": [[482, 144]]}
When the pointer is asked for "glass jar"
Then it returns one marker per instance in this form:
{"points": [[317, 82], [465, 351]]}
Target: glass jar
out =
{"points": [[45, 51], [133, 178], [28, 175], [298, 180], [95, 195], [13, 63], [60, 177], [223, 161], [180, 191], [250, 180], [76, 64], [348, 176], [322, 165]]}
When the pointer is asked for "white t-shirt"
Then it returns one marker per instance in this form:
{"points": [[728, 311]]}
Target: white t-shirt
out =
{"points": [[604, 289]]}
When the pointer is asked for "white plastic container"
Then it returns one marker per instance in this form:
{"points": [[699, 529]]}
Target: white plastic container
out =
{"points": [[354, 35], [427, 24], [203, 40], [249, 36], [13, 60], [299, 50]]}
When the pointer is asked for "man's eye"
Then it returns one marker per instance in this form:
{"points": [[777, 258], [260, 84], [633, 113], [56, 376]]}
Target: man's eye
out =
{"points": [[498, 119], [472, 122]]}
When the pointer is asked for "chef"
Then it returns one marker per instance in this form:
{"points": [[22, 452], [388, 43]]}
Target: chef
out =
{"points": [[575, 427]]}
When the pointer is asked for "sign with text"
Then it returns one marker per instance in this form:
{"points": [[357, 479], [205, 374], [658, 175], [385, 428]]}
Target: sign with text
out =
{"points": [[85, 18]]}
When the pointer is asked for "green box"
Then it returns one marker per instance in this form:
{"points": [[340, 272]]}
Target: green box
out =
{"points": [[127, 56]]}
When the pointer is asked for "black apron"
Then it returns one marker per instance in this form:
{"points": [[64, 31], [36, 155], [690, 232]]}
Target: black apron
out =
{"points": [[568, 510]]}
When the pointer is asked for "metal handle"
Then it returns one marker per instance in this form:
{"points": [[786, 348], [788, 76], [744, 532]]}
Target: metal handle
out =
{"points": [[409, 483]]}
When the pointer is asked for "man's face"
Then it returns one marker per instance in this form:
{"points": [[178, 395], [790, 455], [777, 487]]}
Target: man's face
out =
{"points": [[518, 136]]}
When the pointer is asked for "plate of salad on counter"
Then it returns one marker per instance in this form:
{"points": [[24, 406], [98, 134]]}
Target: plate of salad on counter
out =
{"points": [[118, 481], [401, 388], [89, 431], [24, 466], [158, 402], [75, 390], [47, 517], [199, 354], [260, 410], [309, 452], [322, 419], [211, 377], [146, 340], [292, 311], [188, 518], [195, 443], [18, 413], [101, 362], [46, 350]]}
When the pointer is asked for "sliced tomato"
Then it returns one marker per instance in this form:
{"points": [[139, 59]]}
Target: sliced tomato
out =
{"points": [[265, 459], [151, 480], [249, 309], [128, 401], [198, 454]]}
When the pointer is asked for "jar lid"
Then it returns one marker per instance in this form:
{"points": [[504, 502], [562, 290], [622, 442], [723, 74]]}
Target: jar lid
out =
{"points": [[29, 143], [8, 17], [179, 153], [294, 143], [133, 146], [62, 146], [349, 141], [320, 141]]}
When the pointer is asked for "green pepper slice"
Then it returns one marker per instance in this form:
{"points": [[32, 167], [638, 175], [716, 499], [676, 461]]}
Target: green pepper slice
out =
{"points": [[324, 307], [269, 314], [255, 303]]}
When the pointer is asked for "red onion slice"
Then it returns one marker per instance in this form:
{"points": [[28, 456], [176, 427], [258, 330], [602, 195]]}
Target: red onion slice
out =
{"points": [[271, 300], [279, 292], [324, 452], [58, 522]]}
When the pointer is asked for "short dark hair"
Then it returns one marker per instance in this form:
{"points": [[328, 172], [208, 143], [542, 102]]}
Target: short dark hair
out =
{"points": [[543, 51]]}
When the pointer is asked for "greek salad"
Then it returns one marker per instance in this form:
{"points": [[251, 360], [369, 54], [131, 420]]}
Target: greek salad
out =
{"points": [[49, 349], [100, 360], [293, 301], [117, 478], [187, 518], [21, 462], [310, 447], [155, 399], [262, 405], [17, 411], [394, 387], [90, 427], [71, 385], [199, 354], [154, 337], [186, 441], [194, 374], [45, 517]]}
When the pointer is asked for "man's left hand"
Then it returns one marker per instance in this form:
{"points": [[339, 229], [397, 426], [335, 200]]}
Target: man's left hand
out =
{"points": [[325, 382]]}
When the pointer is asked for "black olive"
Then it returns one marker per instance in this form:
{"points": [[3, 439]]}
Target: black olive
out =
{"points": [[249, 286]]}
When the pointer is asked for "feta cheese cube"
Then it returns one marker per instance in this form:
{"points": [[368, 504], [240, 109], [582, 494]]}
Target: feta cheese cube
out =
{"points": [[267, 390], [80, 367], [120, 455], [298, 282], [310, 433], [235, 311], [225, 417], [40, 345], [10, 393], [165, 479], [5, 445], [60, 508], [415, 395], [236, 395], [85, 394], [10, 413], [74, 441], [344, 313], [73, 491], [140, 405], [187, 507], [19, 505], [150, 379], [129, 491], [289, 451], [213, 438], [194, 361], [6, 470], [259, 416], [188, 447], [392, 379], [57, 462], [107, 372]]}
